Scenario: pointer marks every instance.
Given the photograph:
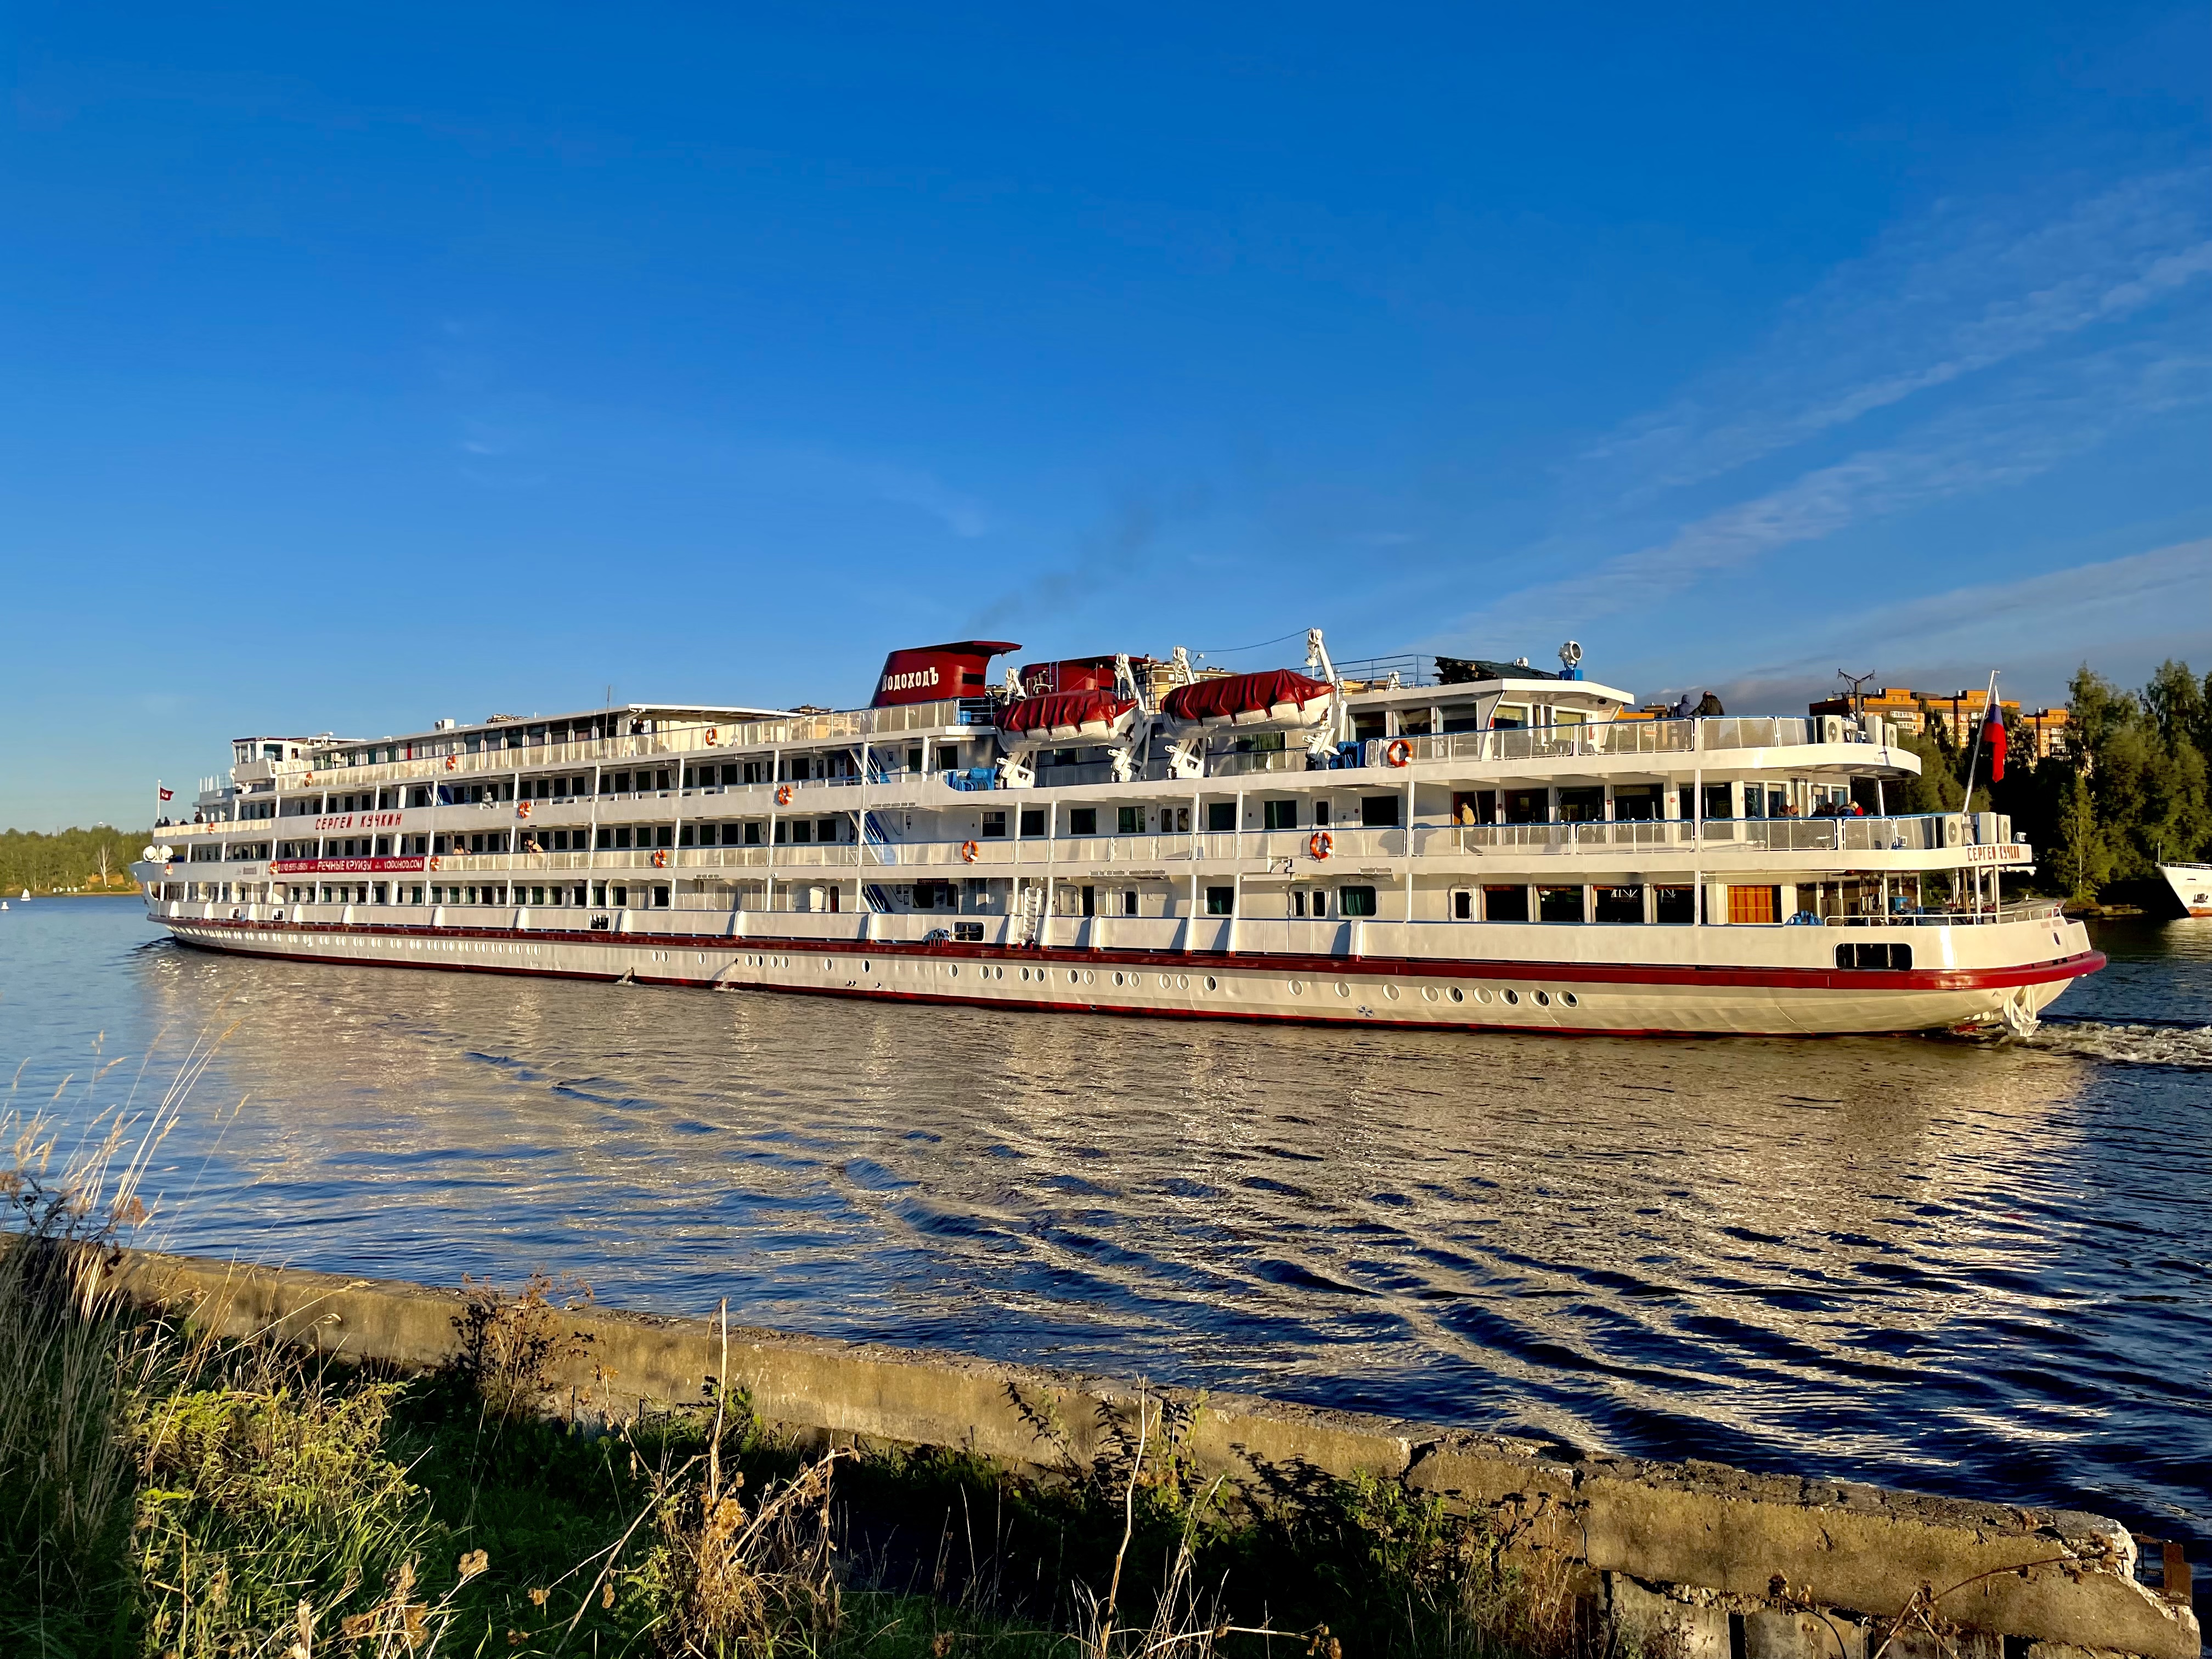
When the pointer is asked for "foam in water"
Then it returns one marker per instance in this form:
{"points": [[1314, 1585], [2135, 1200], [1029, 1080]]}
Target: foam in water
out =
{"points": [[2162, 1044]]}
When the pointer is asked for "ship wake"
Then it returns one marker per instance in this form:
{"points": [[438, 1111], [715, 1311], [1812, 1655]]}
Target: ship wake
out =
{"points": [[2151, 1042]]}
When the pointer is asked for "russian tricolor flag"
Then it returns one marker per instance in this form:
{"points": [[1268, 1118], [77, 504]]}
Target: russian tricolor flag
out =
{"points": [[1995, 728]]}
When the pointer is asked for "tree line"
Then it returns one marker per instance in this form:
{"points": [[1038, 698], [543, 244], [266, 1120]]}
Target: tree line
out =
{"points": [[2132, 791], [89, 861]]}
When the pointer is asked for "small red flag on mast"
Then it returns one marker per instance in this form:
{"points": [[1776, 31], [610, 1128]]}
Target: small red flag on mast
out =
{"points": [[166, 794], [1995, 726]]}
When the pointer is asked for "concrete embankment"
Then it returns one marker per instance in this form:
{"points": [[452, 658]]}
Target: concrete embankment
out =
{"points": [[1699, 1560]]}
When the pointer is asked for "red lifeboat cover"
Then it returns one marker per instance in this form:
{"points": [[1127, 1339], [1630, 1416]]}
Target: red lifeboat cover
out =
{"points": [[1242, 694], [1064, 710], [1040, 679], [930, 673]]}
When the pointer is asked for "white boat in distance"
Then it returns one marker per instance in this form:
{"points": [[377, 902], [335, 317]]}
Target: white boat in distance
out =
{"points": [[2191, 884], [1420, 841]]}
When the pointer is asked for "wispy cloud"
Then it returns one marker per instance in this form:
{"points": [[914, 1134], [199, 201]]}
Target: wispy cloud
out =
{"points": [[2041, 419], [1964, 289]]}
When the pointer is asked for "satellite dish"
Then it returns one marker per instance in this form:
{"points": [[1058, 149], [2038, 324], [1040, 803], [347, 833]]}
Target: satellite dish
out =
{"points": [[1570, 654]]}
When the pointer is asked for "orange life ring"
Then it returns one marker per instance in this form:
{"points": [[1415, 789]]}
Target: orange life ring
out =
{"points": [[783, 794], [452, 762], [522, 810], [968, 852], [1321, 844], [433, 865], [1398, 753], [660, 857], [713, 736]]}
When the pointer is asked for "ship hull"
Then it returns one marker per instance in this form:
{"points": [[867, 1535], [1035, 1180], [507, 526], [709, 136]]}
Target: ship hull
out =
{"points": [[2191, 884], [1553, 997]]}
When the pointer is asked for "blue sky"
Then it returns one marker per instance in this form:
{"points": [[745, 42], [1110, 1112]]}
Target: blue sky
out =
{"points": [[360, 366]]}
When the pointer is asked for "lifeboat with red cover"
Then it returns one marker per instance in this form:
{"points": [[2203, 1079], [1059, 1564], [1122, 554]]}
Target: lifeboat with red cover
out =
{"points": [[1093, 716], [1278, 698]]}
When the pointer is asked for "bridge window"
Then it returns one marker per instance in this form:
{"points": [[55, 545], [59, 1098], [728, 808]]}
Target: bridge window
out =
{"points": [[1674, 906], [1082, 820], [1560, 904], [1506, 904], [1279, 814]]}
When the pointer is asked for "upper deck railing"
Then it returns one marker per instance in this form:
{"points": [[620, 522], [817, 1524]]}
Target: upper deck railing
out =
{"points": [[1545, 744]]}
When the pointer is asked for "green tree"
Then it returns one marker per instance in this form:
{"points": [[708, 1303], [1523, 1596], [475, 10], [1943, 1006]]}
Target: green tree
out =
{"points": [[95, 860]]}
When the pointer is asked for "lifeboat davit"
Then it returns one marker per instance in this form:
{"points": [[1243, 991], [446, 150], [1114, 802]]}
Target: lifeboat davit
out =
{"points": [[1277, 700], [1094, 716]]}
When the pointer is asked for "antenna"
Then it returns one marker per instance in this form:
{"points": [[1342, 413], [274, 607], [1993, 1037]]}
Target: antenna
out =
{"points": [[1858, 684]]}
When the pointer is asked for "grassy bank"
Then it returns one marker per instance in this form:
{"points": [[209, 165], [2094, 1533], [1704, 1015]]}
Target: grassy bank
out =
{"points": [[165, 1493]]}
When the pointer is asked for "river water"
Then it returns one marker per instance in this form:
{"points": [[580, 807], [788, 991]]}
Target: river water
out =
{"points": [[1978, 1269]]}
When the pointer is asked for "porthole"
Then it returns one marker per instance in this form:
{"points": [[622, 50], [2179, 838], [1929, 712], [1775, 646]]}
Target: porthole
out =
{"points": [[866, 966], [1391, 992], [1511, 996], [1089, 977], [952, 968], [1026, 975], [1428, 993], [1481, 993], [1212, 983], [1342, 989], [1297, 988], [1543, 999], [1457, 994], [1167, 981], [1117, 979], [1183, 981], [1571, 998]]}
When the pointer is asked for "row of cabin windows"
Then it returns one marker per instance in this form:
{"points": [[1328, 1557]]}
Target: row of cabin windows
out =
{"points": [[1375, 811]]}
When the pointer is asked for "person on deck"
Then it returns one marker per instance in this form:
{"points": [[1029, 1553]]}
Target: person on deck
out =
{"points": [[1709, 706]]}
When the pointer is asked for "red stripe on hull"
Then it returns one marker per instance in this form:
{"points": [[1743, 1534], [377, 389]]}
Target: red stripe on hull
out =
{"points": [[1809, 979]]}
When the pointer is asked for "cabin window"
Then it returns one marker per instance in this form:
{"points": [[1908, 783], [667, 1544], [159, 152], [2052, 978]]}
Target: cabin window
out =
{"points": [[802, 831], [1220, 815], [1465, 717], [1462, 904], [1635, 803], [1129, 902], [914, 758], [1754, 906], [1558, 904], [1090, 906], [1321, 815], [825, 830], [1509, 717], [1355, 901], [1674, 906], [1415, 722], [622, 836], [1581, 805], [1379, 812], [1365, 728], [1279, 814], [1132, 821], [620, 897], [1032, 820], [1719, 802], [1619, 904], [1220, 900], [1082, 820], [755, 771], [661, 898], [994, 826], [1528, 807], [1505, 903]]}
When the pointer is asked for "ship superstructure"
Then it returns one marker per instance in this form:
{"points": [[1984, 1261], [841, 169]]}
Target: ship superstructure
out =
{"points": [[1422, 842]]}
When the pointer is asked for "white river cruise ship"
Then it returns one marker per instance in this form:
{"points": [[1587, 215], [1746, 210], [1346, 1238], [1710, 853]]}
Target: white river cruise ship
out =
{"points": [[1424, 842]]}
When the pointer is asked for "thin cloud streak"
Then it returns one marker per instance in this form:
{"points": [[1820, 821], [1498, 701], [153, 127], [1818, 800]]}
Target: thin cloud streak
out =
{"points": [[1956, 293], [2039, 421]]}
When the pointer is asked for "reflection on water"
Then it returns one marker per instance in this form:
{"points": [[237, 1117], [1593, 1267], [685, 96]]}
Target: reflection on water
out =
{"points": [[1970, 1268]]}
